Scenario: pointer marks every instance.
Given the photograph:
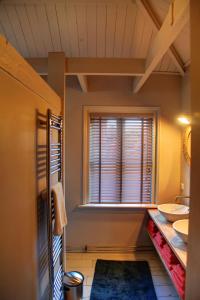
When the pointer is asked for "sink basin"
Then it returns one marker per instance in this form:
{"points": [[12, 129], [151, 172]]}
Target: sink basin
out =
{"points": [[181, 227], [173, 212]]}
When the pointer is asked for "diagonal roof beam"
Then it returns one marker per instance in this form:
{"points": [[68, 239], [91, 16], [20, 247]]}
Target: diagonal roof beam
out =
{"points": [[179, 13], [83, 82], [149, 13]]}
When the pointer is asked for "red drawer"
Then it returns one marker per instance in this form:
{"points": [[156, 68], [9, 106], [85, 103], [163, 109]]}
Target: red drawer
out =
{"points": [[159, 240], [178, 276], [168, 256], [152, 228]]}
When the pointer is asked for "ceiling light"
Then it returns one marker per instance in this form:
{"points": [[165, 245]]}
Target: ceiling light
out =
{"points": [[185, 120]]}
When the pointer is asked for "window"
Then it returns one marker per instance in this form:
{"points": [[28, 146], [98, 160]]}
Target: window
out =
{"points": [[120, 157]]}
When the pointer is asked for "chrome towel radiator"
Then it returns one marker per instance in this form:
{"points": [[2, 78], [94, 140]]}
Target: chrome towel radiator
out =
{"points": [[54, 174], [49, 170]]}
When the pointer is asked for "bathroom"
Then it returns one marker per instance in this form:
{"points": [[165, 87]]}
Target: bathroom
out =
{"points": [[98, 71]]}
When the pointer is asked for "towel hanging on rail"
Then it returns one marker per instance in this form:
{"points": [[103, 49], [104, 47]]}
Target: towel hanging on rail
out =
{"points": [[60, 211]]}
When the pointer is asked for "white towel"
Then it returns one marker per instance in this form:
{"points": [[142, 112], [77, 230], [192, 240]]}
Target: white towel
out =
{"points": [[60, 212]]}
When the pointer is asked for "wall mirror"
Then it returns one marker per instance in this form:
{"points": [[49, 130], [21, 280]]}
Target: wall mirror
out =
{"points": [[187, 144]]}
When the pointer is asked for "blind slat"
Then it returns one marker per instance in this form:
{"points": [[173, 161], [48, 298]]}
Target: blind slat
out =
{"points": [[120, 159]]}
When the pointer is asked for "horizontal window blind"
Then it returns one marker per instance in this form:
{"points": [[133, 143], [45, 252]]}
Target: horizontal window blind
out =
{"points": [[120, 159]]}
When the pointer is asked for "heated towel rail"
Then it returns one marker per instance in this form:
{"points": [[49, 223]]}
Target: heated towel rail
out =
{"points": [[54, 174], [49, 171]]}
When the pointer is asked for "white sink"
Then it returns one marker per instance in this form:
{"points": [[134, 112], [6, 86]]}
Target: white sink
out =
{"points": [[181, 227], [173, 212]]}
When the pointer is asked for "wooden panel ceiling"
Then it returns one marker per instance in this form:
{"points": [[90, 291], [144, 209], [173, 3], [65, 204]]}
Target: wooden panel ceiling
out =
{"points": [[84, 29]]}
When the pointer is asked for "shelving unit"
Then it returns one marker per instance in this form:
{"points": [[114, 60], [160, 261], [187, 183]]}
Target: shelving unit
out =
{"points": [[177, 246]]}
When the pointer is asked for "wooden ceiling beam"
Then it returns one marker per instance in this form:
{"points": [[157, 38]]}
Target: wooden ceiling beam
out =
{"points": [[150, 14], [56, 69], [94, 66], [105, 66], [83, 82], [176, 18], [16, 66]]}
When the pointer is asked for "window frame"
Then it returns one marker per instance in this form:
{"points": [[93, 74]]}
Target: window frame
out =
{"points": [[87, 110]]}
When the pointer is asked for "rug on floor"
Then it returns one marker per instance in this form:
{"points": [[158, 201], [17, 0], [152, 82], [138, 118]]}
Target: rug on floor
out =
{"points": [[122, 280]]}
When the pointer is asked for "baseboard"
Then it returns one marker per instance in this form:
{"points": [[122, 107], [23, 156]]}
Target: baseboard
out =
{"points": [[107, 249]]}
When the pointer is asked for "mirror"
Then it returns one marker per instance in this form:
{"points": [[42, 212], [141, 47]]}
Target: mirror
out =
{"points": [[187, 144]]}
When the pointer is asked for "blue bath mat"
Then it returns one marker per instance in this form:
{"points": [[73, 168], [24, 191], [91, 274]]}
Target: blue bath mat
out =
{"points": [[122, 280]]}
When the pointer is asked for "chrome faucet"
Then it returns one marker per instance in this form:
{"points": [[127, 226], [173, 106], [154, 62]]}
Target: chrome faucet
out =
{"points": [[182, 197]]}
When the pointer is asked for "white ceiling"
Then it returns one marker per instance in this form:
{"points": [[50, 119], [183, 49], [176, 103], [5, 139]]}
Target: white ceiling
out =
{"points": [[86, 28]]}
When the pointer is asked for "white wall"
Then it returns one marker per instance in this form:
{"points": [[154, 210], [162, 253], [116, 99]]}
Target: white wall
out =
{"points": [[114, 227]]}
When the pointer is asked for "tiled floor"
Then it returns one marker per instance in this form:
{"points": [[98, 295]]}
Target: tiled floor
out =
{"points": [[85, 263]]}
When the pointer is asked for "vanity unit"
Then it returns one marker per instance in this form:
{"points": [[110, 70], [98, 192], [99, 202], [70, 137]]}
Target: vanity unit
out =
{"points": [[171, 249]]}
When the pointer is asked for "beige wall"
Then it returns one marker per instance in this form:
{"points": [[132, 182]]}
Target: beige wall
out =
{"points": [[18, 217], [186, 92], [186, 99], [114, 227]]}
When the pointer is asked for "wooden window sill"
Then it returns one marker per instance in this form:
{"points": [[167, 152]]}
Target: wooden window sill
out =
{"points": [[137, 206]]}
